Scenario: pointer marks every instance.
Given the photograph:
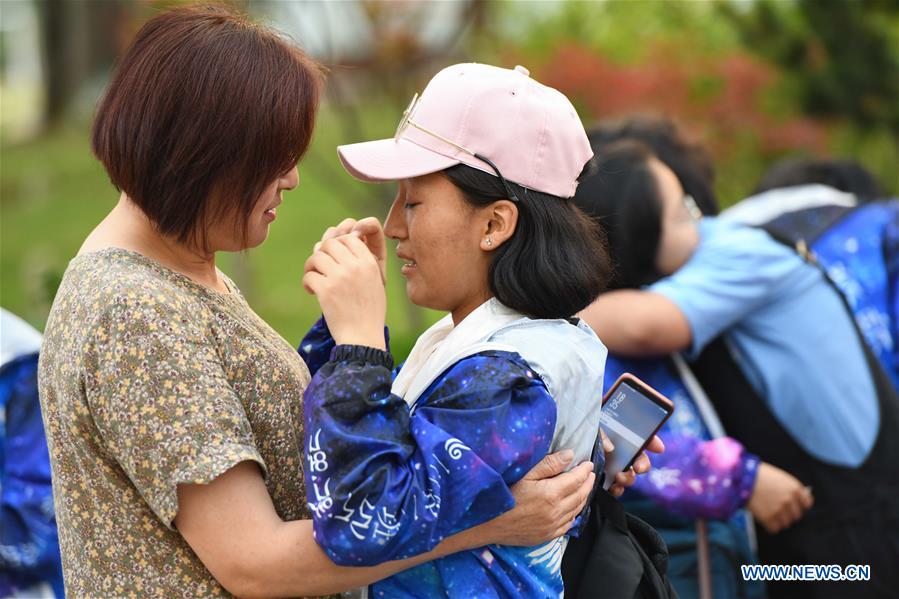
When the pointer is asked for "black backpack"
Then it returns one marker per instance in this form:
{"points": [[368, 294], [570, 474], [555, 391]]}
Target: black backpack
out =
{"points": [[617, 556]]}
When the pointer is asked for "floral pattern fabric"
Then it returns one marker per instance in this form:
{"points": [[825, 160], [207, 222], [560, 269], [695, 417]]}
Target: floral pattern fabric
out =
{"points": [[148, 380]]}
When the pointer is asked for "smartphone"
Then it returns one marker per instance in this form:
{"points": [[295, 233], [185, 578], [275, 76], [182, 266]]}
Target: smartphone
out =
{"points": [[632, 412]]}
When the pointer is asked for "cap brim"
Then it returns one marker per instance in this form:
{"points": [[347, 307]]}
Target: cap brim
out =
{"points": [[390, 160]]}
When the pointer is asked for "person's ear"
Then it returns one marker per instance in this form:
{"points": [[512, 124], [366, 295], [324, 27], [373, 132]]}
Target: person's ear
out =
{"points": [[502, 218]]}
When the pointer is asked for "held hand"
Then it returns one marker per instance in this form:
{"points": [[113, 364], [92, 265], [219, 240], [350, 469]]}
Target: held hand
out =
{"points": [[372, 233], [779, 499], [369, 230], [546, 503], [345, 278], [642, 465]]}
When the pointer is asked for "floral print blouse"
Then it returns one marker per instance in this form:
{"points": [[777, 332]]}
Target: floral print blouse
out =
{"points": [[148, 380]]}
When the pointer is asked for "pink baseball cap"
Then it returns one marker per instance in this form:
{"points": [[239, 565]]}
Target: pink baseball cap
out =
{"points": [[529, 131]]}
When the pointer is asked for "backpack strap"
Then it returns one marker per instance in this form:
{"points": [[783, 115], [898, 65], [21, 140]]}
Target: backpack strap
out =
{"points": [[704, 564], [716, 429]]}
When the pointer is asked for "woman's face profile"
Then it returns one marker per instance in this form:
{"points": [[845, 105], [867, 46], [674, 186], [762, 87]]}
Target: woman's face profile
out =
{"points": [[439, 239], [679, 235], [226, 236]]}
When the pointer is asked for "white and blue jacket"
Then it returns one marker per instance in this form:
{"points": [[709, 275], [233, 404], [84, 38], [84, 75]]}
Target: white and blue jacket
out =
{"points": [[397, 461]]}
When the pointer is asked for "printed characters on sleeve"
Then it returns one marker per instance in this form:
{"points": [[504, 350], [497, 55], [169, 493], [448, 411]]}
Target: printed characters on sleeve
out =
{"points": [[388, 482]]}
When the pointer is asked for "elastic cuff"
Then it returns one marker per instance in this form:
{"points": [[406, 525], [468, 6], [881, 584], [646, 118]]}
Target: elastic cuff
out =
{"points": [[362, 353]]}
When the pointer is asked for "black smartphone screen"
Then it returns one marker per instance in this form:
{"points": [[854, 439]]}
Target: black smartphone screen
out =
{"points": [[628, 418]]}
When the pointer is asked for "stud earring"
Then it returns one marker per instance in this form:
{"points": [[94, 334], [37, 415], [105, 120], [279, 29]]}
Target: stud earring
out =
{"points": [[489, 242]]}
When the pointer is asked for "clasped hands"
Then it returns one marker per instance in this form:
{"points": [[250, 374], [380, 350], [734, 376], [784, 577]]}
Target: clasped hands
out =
{"points": [[346, 272]]}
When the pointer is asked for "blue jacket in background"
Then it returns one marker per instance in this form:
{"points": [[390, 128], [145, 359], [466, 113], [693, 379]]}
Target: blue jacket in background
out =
{"points": [[861, 255], [30, 564], [858, 245]]}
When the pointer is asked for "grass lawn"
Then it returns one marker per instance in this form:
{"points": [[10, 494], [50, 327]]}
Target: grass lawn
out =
{"points": [[53, 191]]}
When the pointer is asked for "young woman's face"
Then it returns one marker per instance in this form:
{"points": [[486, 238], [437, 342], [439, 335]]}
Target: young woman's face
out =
{"points": [[439, 239], [680, 235]]}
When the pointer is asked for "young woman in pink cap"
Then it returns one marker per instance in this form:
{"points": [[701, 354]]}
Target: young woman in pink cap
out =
{"points": [[486, 160]]}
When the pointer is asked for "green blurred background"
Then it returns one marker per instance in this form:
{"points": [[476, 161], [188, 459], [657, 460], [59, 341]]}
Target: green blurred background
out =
{"points": [[752, 80]]}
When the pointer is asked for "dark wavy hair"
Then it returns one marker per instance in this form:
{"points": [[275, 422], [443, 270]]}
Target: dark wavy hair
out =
{"points": [[667, 142], [845, 175], [556, 262], [623, 198]]}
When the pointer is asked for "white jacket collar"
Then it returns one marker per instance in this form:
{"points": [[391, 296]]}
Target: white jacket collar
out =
{"points": [[444, 344]]}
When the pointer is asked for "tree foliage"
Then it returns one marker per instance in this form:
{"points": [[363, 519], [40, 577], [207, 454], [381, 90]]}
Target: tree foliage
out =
{"points": [[842, 55]]}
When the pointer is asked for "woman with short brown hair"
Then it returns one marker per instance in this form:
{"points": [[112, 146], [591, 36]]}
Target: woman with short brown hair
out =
{"points": [[173, 412]]}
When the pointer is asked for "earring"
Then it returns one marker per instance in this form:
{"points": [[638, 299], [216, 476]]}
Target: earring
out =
{"points": [[489, 242]]}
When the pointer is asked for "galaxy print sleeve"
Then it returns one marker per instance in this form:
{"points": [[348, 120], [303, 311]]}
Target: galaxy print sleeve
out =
{"points": [[696, 477], [699, 478], [387, 482], [316, 346]]}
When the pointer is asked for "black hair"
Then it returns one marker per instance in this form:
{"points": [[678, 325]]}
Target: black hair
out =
{"points": [[623, 197], [845, 175], [555, 263], [688, 160]]}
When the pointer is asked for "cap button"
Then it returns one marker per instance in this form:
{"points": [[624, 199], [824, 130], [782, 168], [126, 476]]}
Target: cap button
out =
{"points": [[523, 71]]}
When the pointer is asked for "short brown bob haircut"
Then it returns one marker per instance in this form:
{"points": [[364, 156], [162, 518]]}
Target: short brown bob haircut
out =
{"points": [[203, 112]]}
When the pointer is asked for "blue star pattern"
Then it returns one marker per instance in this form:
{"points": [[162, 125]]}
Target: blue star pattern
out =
{"points": [[861, 255], [388, 481]]}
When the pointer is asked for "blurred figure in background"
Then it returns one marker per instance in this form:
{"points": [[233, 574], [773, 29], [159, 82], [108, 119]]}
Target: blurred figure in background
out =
{"points": [[698, 451], [833, 207], [845, 175], [29, 547], [688, 160], [805, 196], [759, 306]]}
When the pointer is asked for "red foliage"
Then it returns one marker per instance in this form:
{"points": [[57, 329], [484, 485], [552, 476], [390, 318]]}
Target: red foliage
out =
{"points": [[795, 133], [720, 96]]}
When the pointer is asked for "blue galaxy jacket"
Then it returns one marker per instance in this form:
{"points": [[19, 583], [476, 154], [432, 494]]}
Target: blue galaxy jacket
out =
{"points": [[700, 475], [386, 480]]}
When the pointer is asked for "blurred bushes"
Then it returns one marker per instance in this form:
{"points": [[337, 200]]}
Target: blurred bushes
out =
{"points": [[751, 80]]}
